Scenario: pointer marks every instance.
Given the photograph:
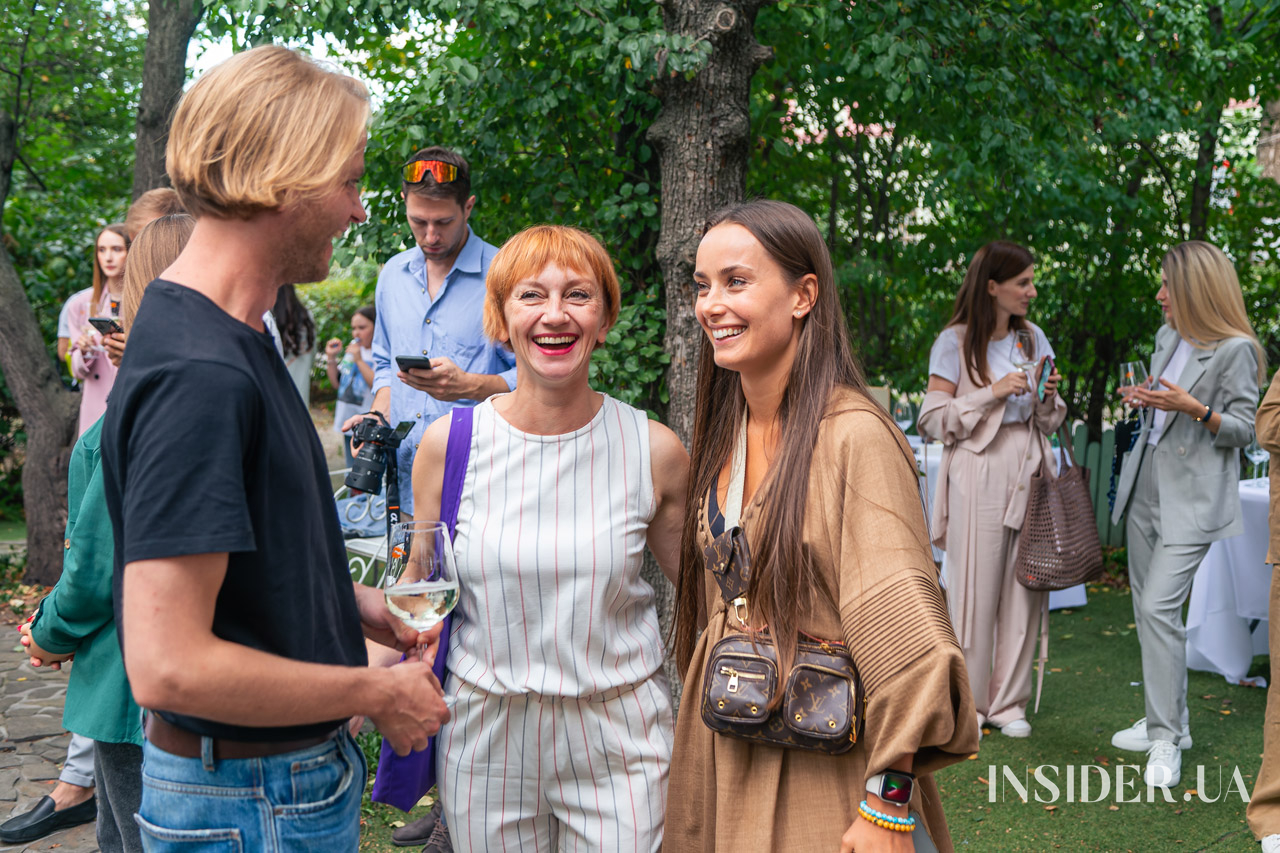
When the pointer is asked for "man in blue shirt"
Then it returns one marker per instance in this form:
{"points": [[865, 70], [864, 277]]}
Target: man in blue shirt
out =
{"points": [[430, 302]]}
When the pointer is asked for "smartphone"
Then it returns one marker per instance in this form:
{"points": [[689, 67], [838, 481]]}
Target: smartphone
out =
{"points": [[1046, 370], [106, 325], [409, 362]]}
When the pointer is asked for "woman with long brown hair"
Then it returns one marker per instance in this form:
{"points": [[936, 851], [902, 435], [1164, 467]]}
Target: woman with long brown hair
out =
{"points": [[981, 405], [838, 553], [88, 357], [1179, 483]]}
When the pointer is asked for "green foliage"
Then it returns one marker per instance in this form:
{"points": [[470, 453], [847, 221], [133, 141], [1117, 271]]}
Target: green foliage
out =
{"points": [[72, 75], [916, 132], [333, 301], [550, 103]]}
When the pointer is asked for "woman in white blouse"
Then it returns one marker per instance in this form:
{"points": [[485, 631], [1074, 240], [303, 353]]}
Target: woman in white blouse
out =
{"points": [[1180, 483], [981, 405]]}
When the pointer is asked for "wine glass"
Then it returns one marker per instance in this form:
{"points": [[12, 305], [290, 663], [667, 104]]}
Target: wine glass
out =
{"points": [[1023, 347], [902, 414], [421, 581], [1133, 374], [1257, 455]]}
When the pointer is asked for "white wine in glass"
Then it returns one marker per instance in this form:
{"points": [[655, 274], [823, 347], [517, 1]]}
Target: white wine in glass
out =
{"points": [[1133, 374], [421, 581], [1023, 349], [902, 415]]}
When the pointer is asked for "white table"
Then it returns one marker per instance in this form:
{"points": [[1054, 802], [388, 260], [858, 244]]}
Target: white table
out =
{"points": [[1227, 616], [928, 458]]}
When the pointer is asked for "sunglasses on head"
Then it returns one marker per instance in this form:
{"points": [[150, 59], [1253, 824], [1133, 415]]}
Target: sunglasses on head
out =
{"points": [[415, 171]]}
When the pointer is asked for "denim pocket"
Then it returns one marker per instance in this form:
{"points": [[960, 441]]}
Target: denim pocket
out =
{"points": [[318, 778], [158, 839]]}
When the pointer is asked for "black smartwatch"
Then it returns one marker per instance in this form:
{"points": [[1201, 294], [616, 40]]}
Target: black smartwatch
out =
{"points": [[892, 786]]}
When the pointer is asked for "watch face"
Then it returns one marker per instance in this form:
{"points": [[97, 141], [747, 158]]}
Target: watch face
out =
{"points": [[895, 788]]}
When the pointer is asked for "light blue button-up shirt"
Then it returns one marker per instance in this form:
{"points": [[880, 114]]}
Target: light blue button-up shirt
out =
{"points": [[411, 323]]}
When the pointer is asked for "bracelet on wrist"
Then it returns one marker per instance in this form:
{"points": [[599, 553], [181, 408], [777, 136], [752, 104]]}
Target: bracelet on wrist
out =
{"points": [[885, 821], [1208, 413]]}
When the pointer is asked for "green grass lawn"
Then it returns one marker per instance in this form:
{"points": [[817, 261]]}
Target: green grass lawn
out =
{"points": [[12, 529], [1088, 695]]}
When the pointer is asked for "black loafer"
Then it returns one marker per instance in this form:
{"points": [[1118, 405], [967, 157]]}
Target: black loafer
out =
{"points": [[43, 819]]}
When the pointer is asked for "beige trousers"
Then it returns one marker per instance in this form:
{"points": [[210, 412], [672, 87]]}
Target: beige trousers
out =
{"points": [[995, 617], [1263, 812]]}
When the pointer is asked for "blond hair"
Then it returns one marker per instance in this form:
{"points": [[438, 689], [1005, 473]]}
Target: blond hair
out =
{"points": [[534, 249], [149, 206], [266, 128], [157, 244], [1205, 302]]}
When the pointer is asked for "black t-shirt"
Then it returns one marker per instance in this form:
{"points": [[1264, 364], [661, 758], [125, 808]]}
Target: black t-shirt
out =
{"points": [[208, 448]]}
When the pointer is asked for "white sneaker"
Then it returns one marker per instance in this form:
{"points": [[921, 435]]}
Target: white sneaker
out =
{"points": [[1271, 844], [1164, 765], [1135, 737], [1018, 728]]}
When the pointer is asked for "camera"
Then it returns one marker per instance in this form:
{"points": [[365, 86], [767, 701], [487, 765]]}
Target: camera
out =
{"points": [[377, 441]]}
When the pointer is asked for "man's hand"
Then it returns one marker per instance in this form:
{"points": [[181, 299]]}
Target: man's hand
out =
{"points": [[115, 347], [414, 710], [39, 657], [444, 381]]}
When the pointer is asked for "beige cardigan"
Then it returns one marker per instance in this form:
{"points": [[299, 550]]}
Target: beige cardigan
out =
{"points": [[969, 419]]}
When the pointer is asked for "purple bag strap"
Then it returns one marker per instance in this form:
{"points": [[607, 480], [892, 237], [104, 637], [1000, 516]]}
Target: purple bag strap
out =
{"points": [[401, 781], [456, 456]]}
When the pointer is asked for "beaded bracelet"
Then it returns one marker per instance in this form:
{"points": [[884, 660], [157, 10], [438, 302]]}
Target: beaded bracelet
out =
{"points": [[886, 821]]}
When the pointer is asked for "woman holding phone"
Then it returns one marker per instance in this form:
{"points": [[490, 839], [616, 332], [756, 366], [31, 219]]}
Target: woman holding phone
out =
{"points": [[982, 406], [88, 356], [1179, 483], [830, 505]]}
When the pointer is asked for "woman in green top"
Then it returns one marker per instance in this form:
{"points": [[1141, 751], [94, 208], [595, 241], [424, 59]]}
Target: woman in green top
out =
{"points": [[77, 618]]}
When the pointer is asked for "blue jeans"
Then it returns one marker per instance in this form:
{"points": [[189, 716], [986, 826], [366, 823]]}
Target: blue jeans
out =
{"points": [[307, 800]]}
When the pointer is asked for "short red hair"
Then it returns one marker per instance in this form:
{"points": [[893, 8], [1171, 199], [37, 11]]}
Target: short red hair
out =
{"points": [[534, 249]]}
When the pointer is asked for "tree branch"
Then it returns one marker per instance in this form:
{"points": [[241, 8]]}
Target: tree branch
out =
{"points": [[30, 171]]}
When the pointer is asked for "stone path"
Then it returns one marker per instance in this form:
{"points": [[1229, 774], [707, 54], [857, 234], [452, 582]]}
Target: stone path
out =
{"points": [[33, 744]]}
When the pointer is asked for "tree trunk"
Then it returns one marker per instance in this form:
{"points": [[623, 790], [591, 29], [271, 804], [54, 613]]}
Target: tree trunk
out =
{"points": [[170, 26], [1207, 151], [702, 137], [49, 420]]}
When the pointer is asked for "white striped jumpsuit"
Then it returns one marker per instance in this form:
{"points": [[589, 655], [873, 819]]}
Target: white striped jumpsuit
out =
{"points": [[561, 735]]}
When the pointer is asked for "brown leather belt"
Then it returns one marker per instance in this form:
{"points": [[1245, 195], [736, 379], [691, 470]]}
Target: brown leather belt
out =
{"points": [[175, 741]]}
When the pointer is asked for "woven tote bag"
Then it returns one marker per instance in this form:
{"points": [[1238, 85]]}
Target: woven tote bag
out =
{"points": [[1059, 545]]}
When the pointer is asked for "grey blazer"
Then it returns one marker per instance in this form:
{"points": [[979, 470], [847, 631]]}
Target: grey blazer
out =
{"points": [[1197, 472]]}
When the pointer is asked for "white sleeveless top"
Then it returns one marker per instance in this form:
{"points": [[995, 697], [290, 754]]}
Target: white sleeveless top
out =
{"points": [[551, 533]]}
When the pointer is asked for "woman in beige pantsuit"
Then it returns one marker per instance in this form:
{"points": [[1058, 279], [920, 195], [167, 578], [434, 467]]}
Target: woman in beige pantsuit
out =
{"points": [[980, 405], [1179, 485]]}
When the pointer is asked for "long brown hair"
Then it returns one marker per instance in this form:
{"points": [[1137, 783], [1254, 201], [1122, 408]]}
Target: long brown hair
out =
{"points": [[159, 242], [999, 260], [783, 579], [100, 277]]}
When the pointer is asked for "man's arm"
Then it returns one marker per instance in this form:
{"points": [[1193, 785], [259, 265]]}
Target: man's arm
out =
{"points": [[176, 663]]}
